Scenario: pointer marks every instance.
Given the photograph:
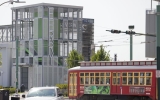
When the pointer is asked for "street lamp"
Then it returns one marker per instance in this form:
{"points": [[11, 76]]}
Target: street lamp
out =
{"points": [[11, 2], [17, 38]]}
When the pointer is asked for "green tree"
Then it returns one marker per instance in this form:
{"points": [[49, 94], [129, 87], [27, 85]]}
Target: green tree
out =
{"points": [[73, 58], [101, 55]]}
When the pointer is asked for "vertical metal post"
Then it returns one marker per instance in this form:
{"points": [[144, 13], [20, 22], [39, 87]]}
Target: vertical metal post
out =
{"points": [[17, 39], [158, 48], [131, 47]]}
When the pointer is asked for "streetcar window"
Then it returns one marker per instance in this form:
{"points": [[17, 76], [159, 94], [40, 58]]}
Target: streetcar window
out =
{"points": [[130, 80], [96, 74], [114, 74], [116, 78], [101, 74], [130, 74], [97, 80], [142, 80], [136, 74], [91, 74], [81, 74], [82, 80], [114, 81], [102, 80], [92, 80], [86, 74], [124, 80], [124, 74], [142, 74], [148, 74], [148, 80], [107, 74], [136, 80], [107, 80], [86, 80]]}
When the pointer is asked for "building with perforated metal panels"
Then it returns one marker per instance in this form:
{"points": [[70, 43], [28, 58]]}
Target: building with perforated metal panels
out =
{"points": [[46, 33]]}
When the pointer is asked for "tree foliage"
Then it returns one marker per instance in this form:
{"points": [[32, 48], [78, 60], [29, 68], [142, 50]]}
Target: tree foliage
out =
{"points": [[101, 55], [73, 58]]}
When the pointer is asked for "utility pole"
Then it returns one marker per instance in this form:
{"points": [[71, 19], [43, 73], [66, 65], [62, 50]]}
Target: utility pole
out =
{"points": [[131, 42], [158, 47]]}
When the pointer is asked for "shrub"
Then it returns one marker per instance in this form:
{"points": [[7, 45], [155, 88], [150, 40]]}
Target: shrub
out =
{"points": [[1, 87], [62, 86]]}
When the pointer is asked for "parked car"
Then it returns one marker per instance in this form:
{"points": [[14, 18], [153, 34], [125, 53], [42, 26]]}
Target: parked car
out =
{"points": [[43, 93]]}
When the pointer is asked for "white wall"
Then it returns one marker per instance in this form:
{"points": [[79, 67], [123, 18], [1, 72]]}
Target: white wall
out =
{"points": [[6, 51]]}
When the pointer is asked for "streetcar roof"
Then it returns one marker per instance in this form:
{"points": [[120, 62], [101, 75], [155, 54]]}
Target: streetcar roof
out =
{"points": [[113, 67]]}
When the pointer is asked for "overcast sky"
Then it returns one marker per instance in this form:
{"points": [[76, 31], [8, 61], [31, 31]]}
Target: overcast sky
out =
{"points": [[108, 14]]}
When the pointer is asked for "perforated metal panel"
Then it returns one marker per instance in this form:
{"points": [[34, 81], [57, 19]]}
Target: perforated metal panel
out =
{"points": [[55, 75], [50, 76], [39, 75], [31, 48], [35, 61], [40, 47], [45, 28], [35, 28], [22, 49], [44, 76]]}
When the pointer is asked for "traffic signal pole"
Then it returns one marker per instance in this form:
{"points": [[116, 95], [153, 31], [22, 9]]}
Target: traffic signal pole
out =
{"points": [[131, 47]]}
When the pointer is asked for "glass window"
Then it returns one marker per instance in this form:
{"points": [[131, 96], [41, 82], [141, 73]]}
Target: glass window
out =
{"points": [[107, 80], [142, 80], [130, 80], [148, 80], [118, 80], [124, 80], [82, 80], [86, 74], [136, 80], [81, 74], [107, 74], [86, 80], [102, 80], [114, 74], [91, 74], [114, 81], [124, 74], [96, 74], [101, 74], [148, 74], [130, 74], [142, 74], [92, 80], [97, 80], [136, 74]]}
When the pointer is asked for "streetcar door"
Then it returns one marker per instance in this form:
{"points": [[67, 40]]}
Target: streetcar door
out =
{"points": [[116, 81]]}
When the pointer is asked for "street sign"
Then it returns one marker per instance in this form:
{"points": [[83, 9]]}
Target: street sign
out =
{"points": [[157, 73]]}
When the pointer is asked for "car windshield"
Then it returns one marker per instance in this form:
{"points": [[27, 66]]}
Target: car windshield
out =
{"points": [[41, 92]]}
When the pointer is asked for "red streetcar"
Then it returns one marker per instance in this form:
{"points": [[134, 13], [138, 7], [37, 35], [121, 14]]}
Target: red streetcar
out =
{"points": [[124, 80]]}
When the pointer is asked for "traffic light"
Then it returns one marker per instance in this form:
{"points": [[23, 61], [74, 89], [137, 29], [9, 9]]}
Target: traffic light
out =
{"points": [[115, 31], [130, 32]]}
